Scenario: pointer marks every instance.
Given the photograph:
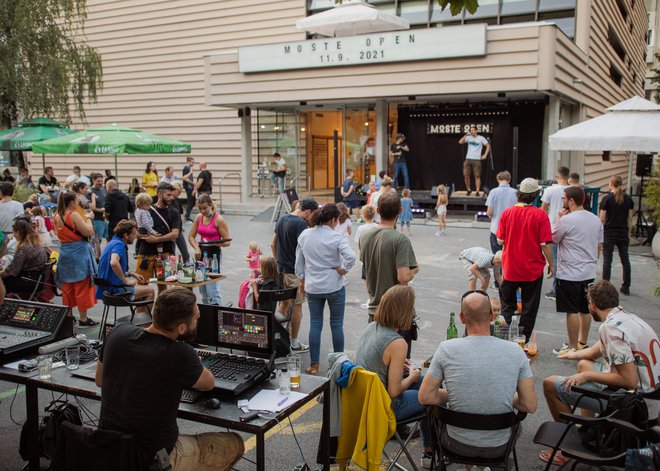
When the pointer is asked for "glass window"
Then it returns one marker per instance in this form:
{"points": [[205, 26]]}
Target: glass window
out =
{"points": [[440, 16], [417, 12], [554, 5], [487, 9], [567, 25], [317, 5], [518, 7], [387, 8]]}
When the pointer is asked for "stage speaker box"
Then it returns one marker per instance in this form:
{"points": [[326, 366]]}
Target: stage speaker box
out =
{"points": [[644, 164], [434, 192]]}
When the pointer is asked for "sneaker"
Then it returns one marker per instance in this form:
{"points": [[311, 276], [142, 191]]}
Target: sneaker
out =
{"points": [[300, 348], [625, 290], [365, 305], [550, 295], [469, 192], [565, 348], [476, 193], [89, 322], [427, 458]]}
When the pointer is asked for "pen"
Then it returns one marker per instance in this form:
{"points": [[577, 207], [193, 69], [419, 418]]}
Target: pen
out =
{"points": [[283, 401]]}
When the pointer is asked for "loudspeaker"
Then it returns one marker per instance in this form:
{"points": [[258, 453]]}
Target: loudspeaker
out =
{"points": [[644, 164], [434, 192]]}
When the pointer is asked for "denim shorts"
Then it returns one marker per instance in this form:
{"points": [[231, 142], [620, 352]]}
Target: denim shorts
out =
{"points": [[589, 403]]}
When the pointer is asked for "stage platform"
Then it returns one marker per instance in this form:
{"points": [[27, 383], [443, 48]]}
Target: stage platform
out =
{"points": [[458, 201]]}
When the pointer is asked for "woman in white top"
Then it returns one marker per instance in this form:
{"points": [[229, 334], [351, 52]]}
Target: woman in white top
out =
{"points": [[323, 257]]}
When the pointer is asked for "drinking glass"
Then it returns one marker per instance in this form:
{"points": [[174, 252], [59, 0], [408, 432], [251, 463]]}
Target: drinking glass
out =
{"points": [[293, 361], [72, 357], [520, 340], [45, 363]]}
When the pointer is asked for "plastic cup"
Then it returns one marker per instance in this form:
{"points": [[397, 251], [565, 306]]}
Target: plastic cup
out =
{"points": [[45, 366], [293, 362], [72, 357]]}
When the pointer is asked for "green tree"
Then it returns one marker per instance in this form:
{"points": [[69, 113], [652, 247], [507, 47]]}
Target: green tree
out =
{"points": [[46, 67], [655, 78]]}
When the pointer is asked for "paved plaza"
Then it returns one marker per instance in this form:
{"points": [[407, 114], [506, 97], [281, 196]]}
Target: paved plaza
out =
{"points": [[439, 286]]}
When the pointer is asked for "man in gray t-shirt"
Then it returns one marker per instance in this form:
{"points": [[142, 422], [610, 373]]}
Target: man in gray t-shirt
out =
{"points": [[482, 375]]}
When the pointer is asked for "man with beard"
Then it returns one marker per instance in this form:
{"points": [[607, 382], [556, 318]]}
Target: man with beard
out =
{"points": [[578, 236], [141, 373], [167, 222], [624, 357]]}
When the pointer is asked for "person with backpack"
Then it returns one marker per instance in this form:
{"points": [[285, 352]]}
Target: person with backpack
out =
{"points": [[624, 358]]}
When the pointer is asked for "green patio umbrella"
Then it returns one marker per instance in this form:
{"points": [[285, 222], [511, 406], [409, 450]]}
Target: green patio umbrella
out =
{"points": [[28, 132], [112, 140]]}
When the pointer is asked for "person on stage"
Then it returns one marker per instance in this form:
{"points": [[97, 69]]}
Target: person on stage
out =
{"points": [[472, 164]]}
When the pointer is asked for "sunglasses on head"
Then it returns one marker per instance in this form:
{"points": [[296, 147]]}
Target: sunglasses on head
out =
{"points": [[467, 293]]}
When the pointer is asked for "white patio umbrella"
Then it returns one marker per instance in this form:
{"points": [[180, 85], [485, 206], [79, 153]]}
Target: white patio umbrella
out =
{"points": [[350, 18], [630, 126]]}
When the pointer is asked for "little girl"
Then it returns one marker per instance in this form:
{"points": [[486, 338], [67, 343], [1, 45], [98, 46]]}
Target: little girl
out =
{"points": [[253, 258], [406, 210], [40, 226], [266, 281], [345, 224], [441, 210], [143, 217]]}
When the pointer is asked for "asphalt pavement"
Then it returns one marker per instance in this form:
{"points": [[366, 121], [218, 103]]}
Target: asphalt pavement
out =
{"points": [[439, 286]]}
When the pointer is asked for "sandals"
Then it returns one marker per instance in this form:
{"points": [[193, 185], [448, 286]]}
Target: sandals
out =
{"points": [[89, 322], [559, 459], [312, 369]]}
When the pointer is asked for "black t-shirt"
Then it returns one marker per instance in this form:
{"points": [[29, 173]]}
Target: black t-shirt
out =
{"points": [[173, 220], [143, 375], [100, 194], [44, 181], [616, 217], [206, 185], [117, 205], [287, 230], [396, 148], [186, 185]]}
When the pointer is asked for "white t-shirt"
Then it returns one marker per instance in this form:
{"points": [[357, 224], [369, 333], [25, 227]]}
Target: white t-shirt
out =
{"points": [[475, 146], [552, 196], [343, 227], [625, 338], [8, 211], [280, 164], [577, 236], [73, 178]]}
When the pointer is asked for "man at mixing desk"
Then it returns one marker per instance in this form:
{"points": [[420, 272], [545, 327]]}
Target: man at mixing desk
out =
{"points": [[142, 372]]}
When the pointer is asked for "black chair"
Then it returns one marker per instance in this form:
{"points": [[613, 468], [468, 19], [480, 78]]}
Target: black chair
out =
{"points": [[121, 299], [565, 436], [439, 417], [273, 296], [82, 448], [403, 444], [43, 289]]}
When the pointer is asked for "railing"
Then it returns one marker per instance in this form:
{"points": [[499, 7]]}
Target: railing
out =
{"points": [[240, 190]]}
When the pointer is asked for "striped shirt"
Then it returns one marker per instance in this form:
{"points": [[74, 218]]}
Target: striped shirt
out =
{"points": [[482, 257]]}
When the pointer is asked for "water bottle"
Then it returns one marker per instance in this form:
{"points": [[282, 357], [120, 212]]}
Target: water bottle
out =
{"points": [[284, 381], [515, 322], [214, 264]]}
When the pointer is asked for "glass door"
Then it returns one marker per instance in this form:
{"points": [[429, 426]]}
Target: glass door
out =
{"points": [[360, 141]]}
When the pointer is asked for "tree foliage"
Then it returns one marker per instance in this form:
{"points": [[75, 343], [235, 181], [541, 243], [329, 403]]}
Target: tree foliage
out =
{"points": [[655, 78], [46, 67], [455, 6]]}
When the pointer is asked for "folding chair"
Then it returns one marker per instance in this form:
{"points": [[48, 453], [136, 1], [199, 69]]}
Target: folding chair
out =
{"points": [[273, 296], [565, 437], [403, 444], [43, 289], [439, 417], [121, 299]]}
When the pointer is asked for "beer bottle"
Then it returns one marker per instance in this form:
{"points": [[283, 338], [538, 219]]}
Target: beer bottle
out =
{"points": [[452, 332], [179, 265], [160, 269]]}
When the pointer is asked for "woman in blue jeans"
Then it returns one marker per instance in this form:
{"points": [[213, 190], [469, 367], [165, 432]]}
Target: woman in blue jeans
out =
{"points": [[382, 350], [323, 257]]}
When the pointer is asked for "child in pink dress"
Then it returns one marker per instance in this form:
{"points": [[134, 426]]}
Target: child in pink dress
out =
{"points": [[253, 258]]}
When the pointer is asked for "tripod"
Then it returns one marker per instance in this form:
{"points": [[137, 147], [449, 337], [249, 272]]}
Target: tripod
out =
{"points": [[642, 223]]}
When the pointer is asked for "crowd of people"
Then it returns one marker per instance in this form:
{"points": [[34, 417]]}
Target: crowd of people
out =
{"points": [[91, 230]]}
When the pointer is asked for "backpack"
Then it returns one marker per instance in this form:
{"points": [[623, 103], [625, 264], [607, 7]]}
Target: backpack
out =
{"points": [[608, 441], [245, 297], [49, 429]]}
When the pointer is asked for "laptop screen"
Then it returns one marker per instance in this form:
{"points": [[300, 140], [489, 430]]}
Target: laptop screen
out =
{"points": [[236, 328]]}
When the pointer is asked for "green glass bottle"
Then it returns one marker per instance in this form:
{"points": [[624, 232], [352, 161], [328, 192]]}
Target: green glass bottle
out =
{"points": [[452, 332]]}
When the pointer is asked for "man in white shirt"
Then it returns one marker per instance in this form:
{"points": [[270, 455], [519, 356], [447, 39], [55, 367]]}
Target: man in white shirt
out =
{"points": [[578, 235], [498, 200], [169, 177], [551, 203], [473, 157], [76, 176], [9, 208], [279, 172]]}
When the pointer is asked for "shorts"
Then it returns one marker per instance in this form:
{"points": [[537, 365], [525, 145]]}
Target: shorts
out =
{"points": [[589, 403], [213, 450], [80, 294], [290, 280], [352, 204], [441, 210], [471, 167], [148, 271], [485, 273], [101, 229], [572, 296]]}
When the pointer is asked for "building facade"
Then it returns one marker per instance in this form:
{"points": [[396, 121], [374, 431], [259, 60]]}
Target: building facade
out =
{"points": [[652, 49], [239, 82]]}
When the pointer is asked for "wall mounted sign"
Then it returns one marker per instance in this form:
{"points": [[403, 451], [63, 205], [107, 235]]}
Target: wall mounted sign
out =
{"points": [[413, 45], [454, 128]]}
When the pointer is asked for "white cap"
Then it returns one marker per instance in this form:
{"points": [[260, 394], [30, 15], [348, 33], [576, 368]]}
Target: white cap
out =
{"points": [[529, 185]]}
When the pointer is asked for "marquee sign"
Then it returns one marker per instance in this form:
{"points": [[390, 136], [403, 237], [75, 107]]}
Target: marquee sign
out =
{"points": [[454, 128]]}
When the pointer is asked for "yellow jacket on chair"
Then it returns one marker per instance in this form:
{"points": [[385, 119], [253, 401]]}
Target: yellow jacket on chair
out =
{"points": [[367, 420]]}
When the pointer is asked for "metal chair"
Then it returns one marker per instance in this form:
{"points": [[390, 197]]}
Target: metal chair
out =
{"points": [[439, 417], [273, 296], [43, 290], [121, 299]]}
